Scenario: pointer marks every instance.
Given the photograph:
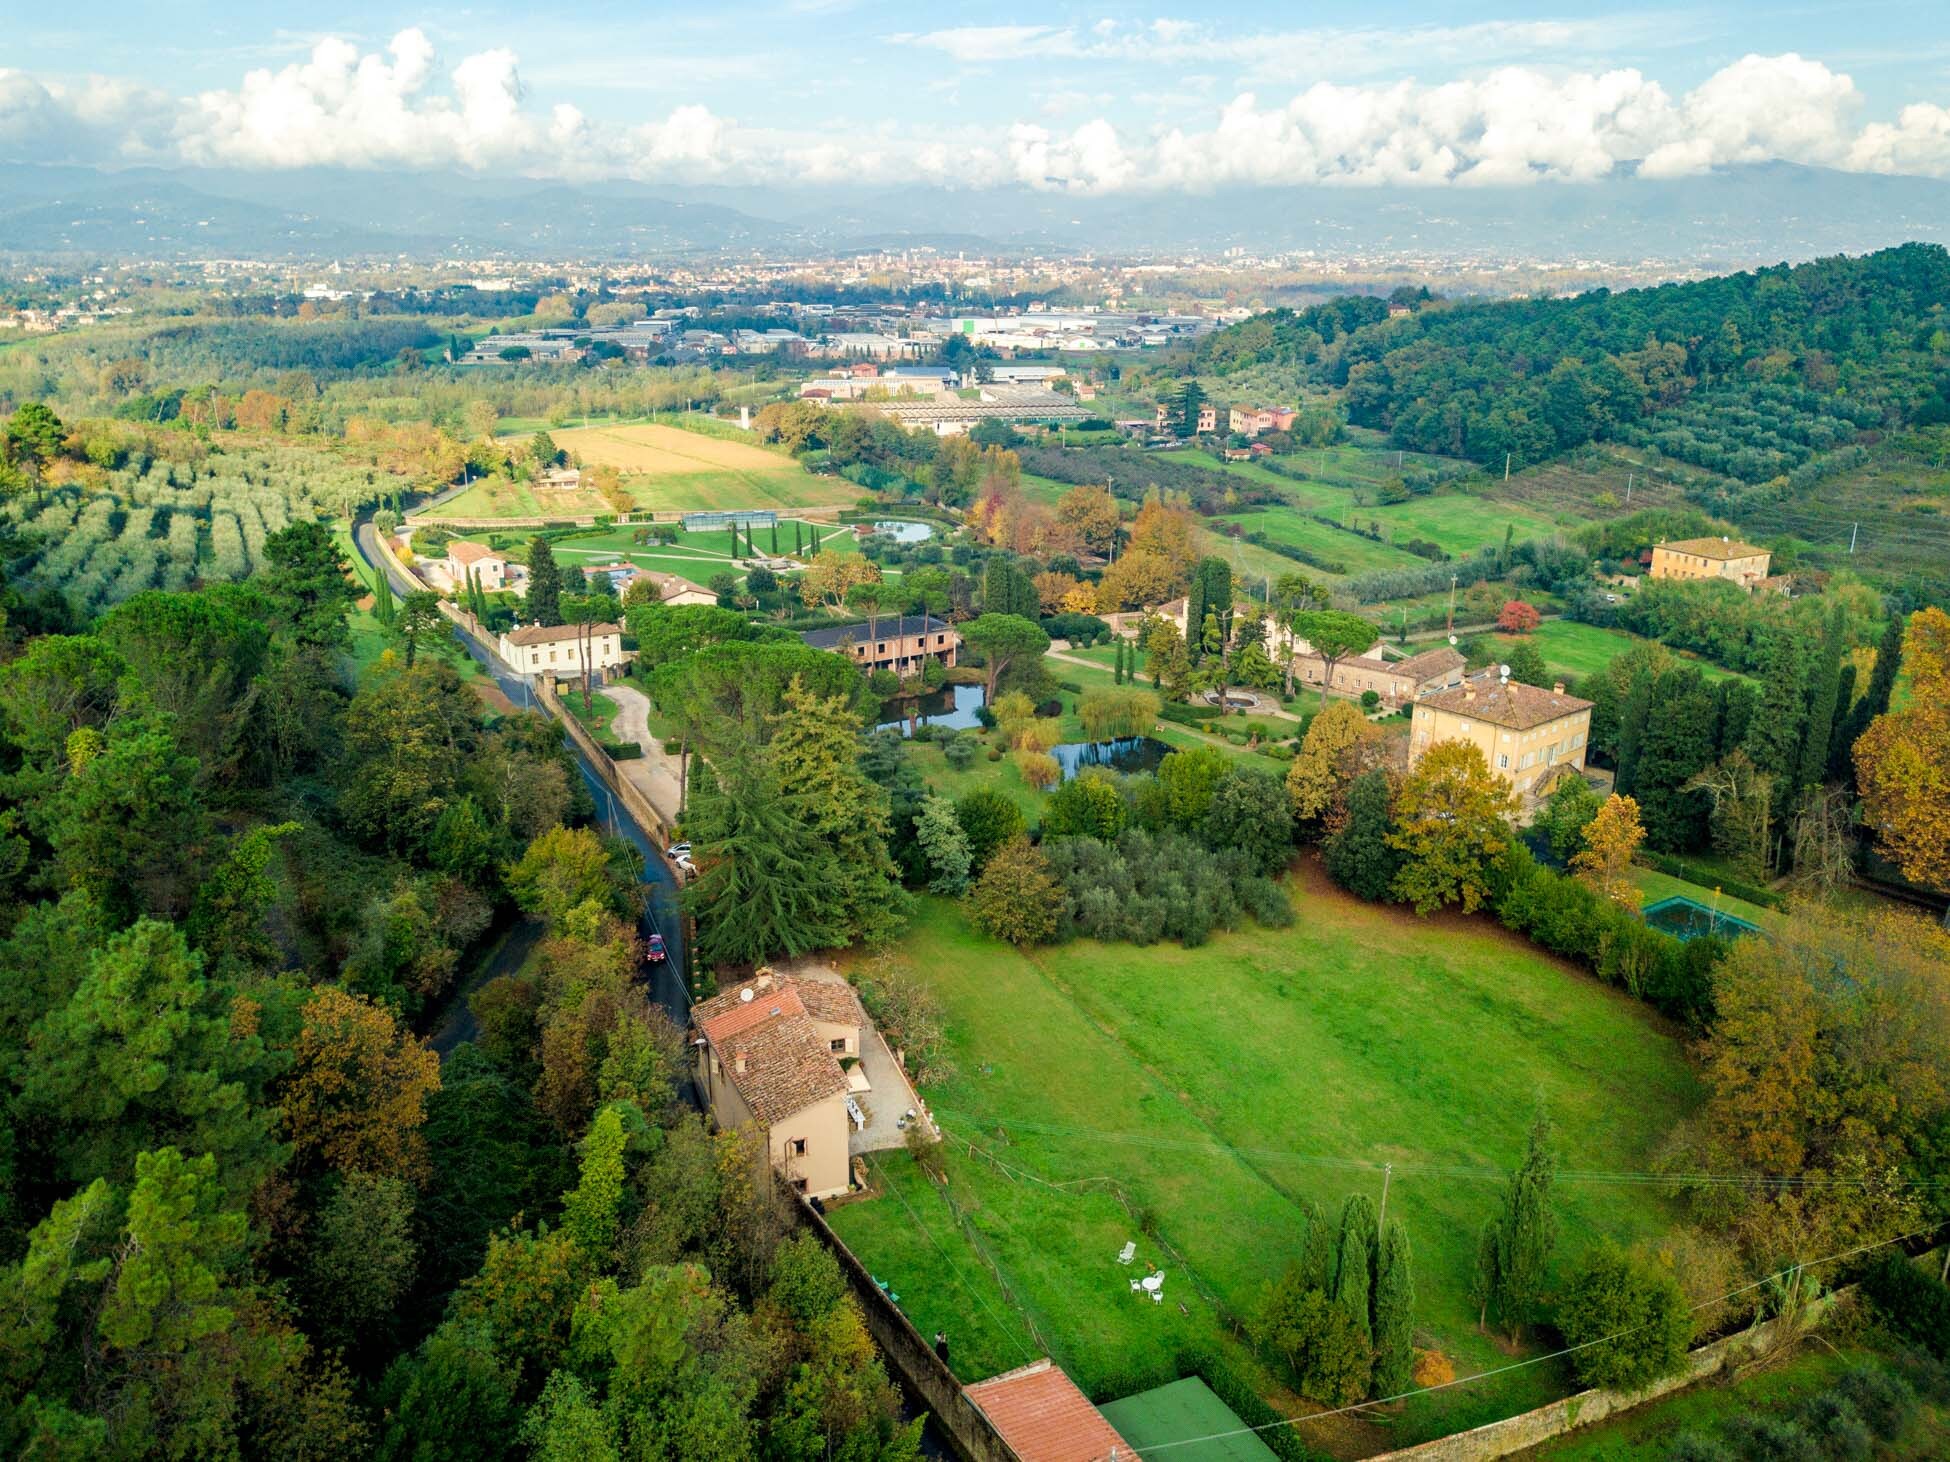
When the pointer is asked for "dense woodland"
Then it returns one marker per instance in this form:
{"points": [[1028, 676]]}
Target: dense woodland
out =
{"points": [[1746, 374]]}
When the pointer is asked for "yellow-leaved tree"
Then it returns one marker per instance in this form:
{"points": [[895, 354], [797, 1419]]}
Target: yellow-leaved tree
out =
{"points": [[1610, 838], [1902, 762]]}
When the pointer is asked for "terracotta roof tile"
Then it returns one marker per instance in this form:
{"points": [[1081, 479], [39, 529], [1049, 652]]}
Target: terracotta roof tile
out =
{"points": [[463, 552], [548, 634], [1045, 1418], [1715, 548], [1499, 702], [787, 1066]]}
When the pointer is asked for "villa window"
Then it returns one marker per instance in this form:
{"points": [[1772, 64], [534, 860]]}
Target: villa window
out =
{"points": [[838, 1044], [798, 1147], [1503, 762]]}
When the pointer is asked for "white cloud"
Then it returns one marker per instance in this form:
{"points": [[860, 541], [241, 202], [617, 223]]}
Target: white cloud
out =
{"points": [[404, 106]]}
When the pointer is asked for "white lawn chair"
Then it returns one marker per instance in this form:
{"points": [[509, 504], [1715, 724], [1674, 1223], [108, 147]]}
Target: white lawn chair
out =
{"points": [[1126, 1254]]}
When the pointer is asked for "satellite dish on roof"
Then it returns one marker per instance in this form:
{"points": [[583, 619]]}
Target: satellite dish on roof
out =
{"points": [[1504, 671], [1452, 639], [745, 996]]}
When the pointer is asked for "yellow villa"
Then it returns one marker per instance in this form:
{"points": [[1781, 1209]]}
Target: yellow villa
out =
{"points": [[1711, 558], [1526, 734]]}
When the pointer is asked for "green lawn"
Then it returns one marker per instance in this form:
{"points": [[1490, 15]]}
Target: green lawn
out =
{"points": [[1190, 1422], [1218, 1088], [694, 556], [1585, 649]]}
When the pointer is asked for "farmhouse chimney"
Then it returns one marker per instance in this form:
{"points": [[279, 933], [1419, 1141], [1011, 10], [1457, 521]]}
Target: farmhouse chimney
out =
{"points": [[1469, 693], [1557, 687], [738, 1061]]}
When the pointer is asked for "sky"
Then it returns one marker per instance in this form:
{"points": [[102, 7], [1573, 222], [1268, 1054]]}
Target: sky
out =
{"points": [[1096, 99]]}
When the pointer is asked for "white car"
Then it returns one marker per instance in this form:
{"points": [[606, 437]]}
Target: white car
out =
{"points": [[679, 850]]}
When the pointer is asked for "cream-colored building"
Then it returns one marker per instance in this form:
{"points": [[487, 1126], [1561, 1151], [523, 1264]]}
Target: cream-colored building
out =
{"points": [[1526, 734], [489, 568], [1711, 558], [557, 649], [783, 1053]]}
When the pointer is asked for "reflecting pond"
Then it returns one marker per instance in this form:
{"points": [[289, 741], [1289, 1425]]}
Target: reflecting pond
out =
{"points": [[953, 706], [1125, 754], [903, 530]]}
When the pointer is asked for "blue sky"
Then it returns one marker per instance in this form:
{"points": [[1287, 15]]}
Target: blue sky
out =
{"points": [[1097, 98]]}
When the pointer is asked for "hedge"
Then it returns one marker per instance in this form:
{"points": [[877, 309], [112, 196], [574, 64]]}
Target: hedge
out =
{"points": [[622, 750], [1185, 715], [1707, 878]]}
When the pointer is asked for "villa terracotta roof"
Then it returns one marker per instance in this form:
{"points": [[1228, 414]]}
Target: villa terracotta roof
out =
{"points": [[461, 551], [1045, 1418], [1511, 703], [832, 1001], [1721, 549], [1430, 663], [787, 1067], [548, 634]]}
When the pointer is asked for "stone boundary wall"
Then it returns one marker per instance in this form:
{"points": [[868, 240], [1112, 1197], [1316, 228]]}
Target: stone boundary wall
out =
{"points": [[1534, 1428], [912, 1359], [431, 517], [634, 802]]}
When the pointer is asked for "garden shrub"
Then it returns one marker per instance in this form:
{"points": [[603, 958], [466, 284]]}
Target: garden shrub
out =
{"points": [[1884, 1400], [1639, 1305], [1913, 1304], [958, 751]]}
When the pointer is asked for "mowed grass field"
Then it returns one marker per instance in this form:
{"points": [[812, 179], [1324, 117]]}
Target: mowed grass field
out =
{"points": [[1217, 1089], [1585, 649], [667, 468]]}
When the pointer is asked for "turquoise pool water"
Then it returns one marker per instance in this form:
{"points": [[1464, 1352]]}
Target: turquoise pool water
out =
{"points": [[1688, 918]]}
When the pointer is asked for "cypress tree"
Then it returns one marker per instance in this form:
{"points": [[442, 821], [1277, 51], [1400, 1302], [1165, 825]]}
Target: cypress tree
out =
{"points": [[1875, 700], [1394, 1314], [1316, 1248], [1733, 715], [1677, 745], [798, 538], [1516, 1247], [1354, 1261], [1631, 730], [382, 600], [775, 538], [1824, 685], [544, 584], [1838, 743]]}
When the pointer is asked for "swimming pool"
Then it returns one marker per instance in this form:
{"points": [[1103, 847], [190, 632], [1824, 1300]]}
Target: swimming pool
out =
{"points": [[1689, 918]]}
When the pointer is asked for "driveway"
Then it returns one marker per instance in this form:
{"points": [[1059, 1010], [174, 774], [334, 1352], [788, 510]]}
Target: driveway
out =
{"points": [[655, 773], [890, 1100]]}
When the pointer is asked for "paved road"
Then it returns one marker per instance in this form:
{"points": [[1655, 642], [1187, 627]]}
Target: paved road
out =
{"points": [[654, 774], [458, 1025], [661, 914]]}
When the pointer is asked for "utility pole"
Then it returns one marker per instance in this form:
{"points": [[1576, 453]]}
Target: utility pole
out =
{"points": [[1628, 489], [1506, 466], [1851, 536], [1452, 604], [1387, 1172]]}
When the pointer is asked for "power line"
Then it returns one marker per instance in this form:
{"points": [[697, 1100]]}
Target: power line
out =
{"points": [[1442, 1170], [1536, 1359], [974, 1293]]}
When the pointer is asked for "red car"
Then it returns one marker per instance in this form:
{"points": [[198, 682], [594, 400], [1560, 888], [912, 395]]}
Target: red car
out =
{"points": [[654, 952]]}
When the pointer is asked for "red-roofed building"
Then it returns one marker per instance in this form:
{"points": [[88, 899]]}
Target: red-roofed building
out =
{"points": [[1044, 1417], [769, 1051]]}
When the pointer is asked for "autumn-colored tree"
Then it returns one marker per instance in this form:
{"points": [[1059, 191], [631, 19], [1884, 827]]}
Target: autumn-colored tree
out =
{"points": [[830, 576], [355, 1096], [1808, 1069], [1017, 898], [564, 869], [1168, 530], [1091, 517], [1451, 820], [1518, 618], [1902, 762], [1323, 768], [1610, 840], [1052, 589], [1139, 579]]}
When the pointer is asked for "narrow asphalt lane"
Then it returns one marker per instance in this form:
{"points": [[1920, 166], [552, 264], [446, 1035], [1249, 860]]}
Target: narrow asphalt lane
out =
{"points": [[662, 914]]}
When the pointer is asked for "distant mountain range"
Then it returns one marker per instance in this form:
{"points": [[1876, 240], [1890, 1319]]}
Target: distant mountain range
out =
{"points": [[1761, 213]]}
